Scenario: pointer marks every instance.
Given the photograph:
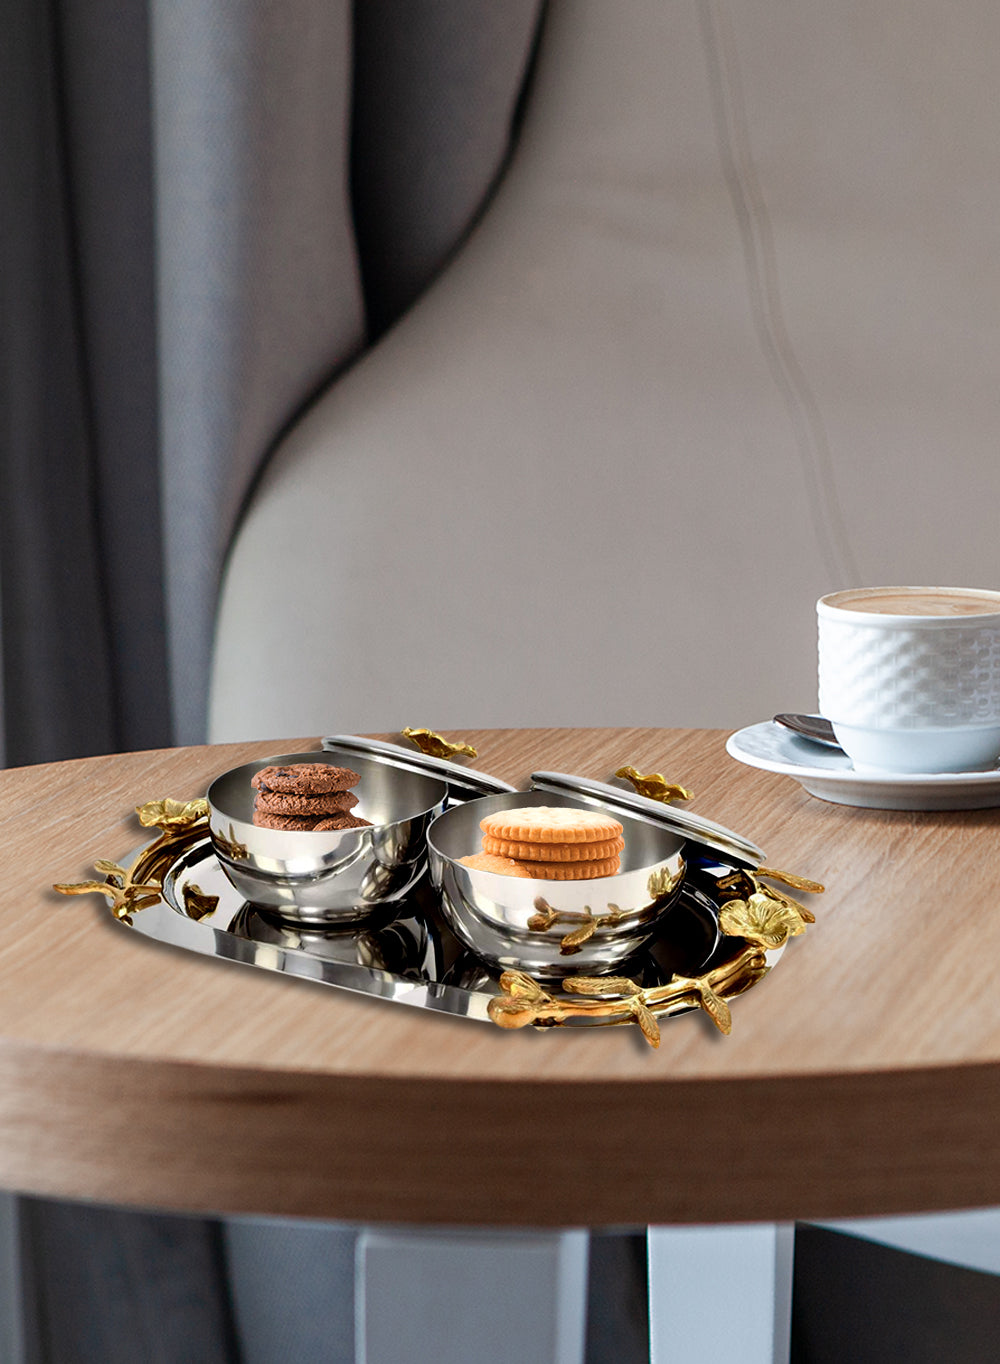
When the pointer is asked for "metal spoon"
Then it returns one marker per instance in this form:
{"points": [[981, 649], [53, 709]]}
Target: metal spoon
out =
{"points": [[812, 727]]}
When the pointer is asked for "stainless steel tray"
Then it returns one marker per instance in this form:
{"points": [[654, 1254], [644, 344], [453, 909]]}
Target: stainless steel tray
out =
{"points": [[412, 958]]}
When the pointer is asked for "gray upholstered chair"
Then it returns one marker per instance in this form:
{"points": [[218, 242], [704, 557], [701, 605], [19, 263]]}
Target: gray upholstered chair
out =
{"points": [[727, 336]]}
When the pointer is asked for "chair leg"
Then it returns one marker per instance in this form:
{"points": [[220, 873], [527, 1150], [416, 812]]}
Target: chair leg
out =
{"points": [[722, 1291], [428, 1296], [12, 1336], [291, 1286]]}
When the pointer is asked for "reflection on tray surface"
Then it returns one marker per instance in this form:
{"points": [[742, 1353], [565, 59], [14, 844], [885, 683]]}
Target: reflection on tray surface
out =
{"points": [[411, 956], [419, 946], [404, 948]]}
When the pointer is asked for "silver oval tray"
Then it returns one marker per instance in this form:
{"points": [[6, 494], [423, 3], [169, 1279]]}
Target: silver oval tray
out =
{"points": [[412, 958]]}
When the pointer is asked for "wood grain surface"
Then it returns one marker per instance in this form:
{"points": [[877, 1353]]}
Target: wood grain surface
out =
{"points": [[863, 1075]]}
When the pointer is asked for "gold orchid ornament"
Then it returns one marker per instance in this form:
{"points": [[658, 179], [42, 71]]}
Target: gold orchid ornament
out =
{"points": [[654, 786], [435, 746], [180, 822]]}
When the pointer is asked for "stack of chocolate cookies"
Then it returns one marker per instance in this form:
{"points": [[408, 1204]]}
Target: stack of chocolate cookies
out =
{"points": [[314, 796]]}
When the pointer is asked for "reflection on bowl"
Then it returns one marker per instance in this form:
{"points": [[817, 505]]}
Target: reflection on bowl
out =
{"points": [[552, 928], [338, 876]]}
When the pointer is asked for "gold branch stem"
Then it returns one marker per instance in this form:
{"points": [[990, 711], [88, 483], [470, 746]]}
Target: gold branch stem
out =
{"points": [[621, 1001]]}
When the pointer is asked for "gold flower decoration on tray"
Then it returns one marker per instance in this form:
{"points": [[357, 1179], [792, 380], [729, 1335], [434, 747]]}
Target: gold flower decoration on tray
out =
{"points": [[435, 746], [180, 822], [654, 786]]}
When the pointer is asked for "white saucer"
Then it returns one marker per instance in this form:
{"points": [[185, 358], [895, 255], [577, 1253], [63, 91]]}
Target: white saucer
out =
{"points": [[828, 774]]}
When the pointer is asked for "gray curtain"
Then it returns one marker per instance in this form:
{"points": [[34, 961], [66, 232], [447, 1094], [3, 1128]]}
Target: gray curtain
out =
{"points": [[207, 209], [258, 288], [84, 649]]}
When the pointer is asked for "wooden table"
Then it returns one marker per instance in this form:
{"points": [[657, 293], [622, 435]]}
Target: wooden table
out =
{"points": [[862, 1076]]}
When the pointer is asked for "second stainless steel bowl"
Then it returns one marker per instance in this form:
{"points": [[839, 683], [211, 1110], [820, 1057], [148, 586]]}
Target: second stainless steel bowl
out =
{"points": [[499, 916]]}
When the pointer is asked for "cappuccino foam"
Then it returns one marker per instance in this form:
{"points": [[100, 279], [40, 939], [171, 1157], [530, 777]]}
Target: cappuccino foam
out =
{"points": [[919, 601]]}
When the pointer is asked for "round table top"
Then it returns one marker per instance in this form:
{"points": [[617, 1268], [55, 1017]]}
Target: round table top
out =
{"points": [[860, 1076]]}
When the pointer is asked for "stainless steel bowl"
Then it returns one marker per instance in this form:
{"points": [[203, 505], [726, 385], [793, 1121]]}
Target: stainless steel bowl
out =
{"points": [[494, 914], [337, 877]]}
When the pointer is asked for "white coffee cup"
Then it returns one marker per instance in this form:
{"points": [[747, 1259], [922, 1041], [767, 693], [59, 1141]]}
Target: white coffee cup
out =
{"points": [[909, 677]]}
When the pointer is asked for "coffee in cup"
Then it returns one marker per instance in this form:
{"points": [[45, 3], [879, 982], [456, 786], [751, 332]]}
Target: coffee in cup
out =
{"points": [[909, 677]]}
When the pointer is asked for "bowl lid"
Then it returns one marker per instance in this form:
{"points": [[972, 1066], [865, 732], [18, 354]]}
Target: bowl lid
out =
{"points": [[695, 828], [463, 783]]}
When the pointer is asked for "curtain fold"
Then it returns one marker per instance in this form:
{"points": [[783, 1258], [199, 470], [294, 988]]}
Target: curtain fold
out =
{"points": [[438, 86], [84, 646], [259, 298], [55, 622]]}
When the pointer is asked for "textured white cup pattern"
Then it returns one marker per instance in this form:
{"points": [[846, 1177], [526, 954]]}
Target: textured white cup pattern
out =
{"points": [[909, 678]]}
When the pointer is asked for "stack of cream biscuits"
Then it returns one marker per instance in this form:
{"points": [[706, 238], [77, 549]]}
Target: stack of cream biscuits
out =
{"points": [[550, 843]]}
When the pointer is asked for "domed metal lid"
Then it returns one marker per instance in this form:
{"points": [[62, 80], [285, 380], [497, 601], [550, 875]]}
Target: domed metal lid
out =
{"points": [[464, 783], [732, 847]]}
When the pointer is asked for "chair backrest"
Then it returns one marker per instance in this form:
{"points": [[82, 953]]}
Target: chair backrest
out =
{"points": [[727, 338]]}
